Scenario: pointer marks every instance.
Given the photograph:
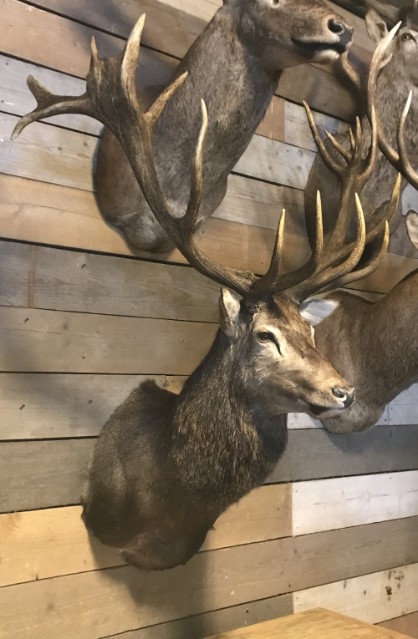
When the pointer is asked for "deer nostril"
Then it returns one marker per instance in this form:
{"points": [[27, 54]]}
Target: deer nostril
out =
{"points": [[336, 27], [339, 393]]}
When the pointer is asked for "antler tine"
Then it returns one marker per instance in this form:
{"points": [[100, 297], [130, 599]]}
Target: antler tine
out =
{"points": [[329, 161], [339, 147], [328, 277], [111, 98], [352, 73], [270, 281], [406, 167], [377, 63]]}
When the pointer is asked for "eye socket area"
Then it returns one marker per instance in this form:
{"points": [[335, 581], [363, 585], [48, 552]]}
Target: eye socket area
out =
{"points": [[267, 337], [407, 37]]}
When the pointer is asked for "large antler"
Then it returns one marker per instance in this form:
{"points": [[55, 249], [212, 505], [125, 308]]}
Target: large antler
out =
{"points": [[400, 160], [111, 97], [342, 262]]}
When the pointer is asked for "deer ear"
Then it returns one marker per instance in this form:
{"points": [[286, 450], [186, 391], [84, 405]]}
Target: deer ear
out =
{"points": [[229, 308], [412, 227], [376, 26], [315, 311]]}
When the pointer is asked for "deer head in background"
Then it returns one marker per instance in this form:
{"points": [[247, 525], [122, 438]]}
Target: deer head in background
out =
{"points": [[382, 357], [392, 85], [234, 65], [166, 466]]}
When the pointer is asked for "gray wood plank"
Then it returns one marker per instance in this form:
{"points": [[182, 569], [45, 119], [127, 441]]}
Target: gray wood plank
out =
{"points": [[45, 486], [209, 581], [314, 453], [55, 341], [47, 278], [42, 406], [41, 473], [210, 623]]}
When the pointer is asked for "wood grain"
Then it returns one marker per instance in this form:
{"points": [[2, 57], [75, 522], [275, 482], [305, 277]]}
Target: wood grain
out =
{"points": [[48, 543], [371, 598], [198, 626], [116, 600], [48, 341], [41, 148], [315, 624], [45, 278], [328, 504], [27, 482]]}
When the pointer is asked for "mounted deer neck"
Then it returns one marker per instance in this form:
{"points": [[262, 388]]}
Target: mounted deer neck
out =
{"points": [[174, 463], [392, 85], [234, 65]]}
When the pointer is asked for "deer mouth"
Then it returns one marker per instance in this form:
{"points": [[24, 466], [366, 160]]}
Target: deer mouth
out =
{"points": [[313, 48], [320, 411]]}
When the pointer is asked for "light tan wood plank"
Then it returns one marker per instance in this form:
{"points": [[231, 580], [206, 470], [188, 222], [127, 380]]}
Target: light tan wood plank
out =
{"points": [[370, 598], [48, 543], [408, 624], [47, 341], [106, 602], [328, 504], [315, 624], [198, 626]]}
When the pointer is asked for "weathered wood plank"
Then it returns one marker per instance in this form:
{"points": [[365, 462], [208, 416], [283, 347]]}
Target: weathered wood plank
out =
{"points": [[408, 624], [106, 602], [371, 598], [48, 543], [60, 156], [382, 449], [328, 504], [40, 277], [284, 121], [42, 406], [26, 483], [49, 341], [70, 218], [63, 45], [199, 626], [80, 405], [42, 473]]}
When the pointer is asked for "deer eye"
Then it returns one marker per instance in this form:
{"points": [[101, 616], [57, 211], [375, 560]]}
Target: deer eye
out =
{"points": [[406, 36], [265, 336]]}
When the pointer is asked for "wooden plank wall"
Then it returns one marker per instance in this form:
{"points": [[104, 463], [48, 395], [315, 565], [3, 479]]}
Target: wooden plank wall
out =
{"points": [[82, 322]]}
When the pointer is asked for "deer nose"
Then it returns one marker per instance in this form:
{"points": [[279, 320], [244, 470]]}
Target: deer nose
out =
{"points": [[336, 27], [345, 395], [341, 30]]}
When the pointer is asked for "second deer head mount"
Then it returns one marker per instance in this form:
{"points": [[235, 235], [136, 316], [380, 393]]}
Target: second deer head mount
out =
{"points": [[234, 65], [166, 466], [391, 88], [375, 345]]}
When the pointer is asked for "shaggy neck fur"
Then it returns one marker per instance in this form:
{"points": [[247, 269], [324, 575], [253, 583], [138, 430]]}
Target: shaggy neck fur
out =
{"points": [[240, 443]]}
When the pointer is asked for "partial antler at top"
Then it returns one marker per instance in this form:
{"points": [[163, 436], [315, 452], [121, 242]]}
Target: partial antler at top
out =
{"points": [[400, 160], [111, 97]]}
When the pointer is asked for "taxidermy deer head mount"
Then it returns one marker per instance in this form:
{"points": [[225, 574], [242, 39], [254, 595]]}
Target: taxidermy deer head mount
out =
{"points": [[166, 466], [234, 65], [391, 84]]}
